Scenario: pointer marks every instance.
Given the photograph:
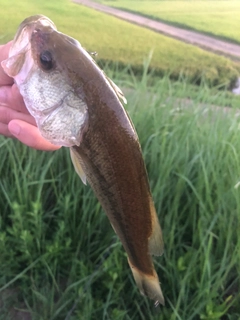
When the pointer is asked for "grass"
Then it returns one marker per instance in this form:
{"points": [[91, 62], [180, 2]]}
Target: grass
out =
{"points": [[59, 252], [120, 42], [218, 18], [60, 258]]}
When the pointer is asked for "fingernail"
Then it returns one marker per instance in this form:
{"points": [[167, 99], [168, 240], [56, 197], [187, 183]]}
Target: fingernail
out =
{"points": [[14, 128]]}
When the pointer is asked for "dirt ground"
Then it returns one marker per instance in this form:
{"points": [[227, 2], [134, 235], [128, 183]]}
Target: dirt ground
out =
{"points": [[195, 38]]}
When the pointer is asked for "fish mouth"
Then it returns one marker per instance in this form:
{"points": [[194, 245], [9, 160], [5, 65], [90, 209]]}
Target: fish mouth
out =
{"points": [[21, 47], [34, 22], [22, 38], [61, 115]]}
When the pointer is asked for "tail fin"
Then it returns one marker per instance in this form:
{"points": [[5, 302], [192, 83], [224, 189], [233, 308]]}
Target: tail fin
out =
{"points": [[148, 285]]}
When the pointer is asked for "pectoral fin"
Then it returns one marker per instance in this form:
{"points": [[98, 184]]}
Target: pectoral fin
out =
{"points": [[155, 242], [77, 163]]}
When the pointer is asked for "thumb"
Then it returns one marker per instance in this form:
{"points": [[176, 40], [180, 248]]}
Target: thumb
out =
{"points": [[29, 135]]}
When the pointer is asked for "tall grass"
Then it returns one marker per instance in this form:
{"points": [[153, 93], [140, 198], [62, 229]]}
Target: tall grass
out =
{"points": [[217, 18], [60, 258], [118, 41]]}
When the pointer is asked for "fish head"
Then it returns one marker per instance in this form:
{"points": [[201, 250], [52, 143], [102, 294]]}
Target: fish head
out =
{"points": [[41, 61]]}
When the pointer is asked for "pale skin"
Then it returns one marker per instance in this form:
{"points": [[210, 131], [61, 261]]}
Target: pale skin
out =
{"points": [[15, 120]]}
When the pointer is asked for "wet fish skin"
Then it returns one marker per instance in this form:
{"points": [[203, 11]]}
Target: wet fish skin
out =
{"points": [[112, 162], [105, 149]]}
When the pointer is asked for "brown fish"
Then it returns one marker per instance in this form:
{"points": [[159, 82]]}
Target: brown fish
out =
{"points": [[77, 106]]}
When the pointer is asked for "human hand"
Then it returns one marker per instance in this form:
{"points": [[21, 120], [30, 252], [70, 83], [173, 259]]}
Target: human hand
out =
{"points": [[15, 120]]}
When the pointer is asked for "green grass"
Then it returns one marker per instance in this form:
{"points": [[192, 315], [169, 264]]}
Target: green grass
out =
{"points": [[219, 18], [122, 42], [58, 249], [60, 258]]}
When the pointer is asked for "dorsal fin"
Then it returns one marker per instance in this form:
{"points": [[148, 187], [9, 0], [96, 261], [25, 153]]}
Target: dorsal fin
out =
{"points": [[117, 90], [155, 242]]}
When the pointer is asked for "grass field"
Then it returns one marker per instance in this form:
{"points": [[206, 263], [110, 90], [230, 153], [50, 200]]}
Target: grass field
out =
{"points": [[60, 258], [220, 18], [58, 249], [121, 42]]}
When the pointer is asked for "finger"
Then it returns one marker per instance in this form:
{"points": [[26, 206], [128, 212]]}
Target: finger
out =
{"points": [[8, 114], [4, 130], [30, 135], [11, 97], [4, 79]]}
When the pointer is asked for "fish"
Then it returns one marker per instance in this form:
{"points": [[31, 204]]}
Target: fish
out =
{"points": [[77, 106]]}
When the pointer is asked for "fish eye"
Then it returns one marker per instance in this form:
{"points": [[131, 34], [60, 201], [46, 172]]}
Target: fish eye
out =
{"points": [[46, 60]]}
